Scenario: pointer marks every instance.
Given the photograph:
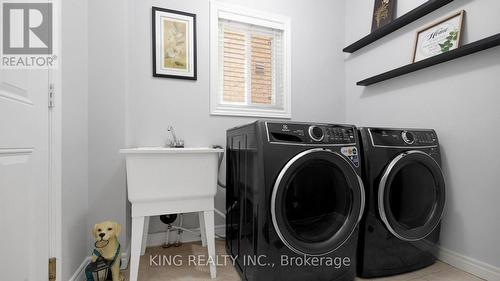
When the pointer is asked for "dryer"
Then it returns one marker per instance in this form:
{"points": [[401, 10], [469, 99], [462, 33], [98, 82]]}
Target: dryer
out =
{"points": [[294, 199], [406, 195]]}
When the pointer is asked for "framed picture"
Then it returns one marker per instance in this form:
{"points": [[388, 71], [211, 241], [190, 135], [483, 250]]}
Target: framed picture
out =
{"points": [[438, 38], [174, 44], [383, 13]]}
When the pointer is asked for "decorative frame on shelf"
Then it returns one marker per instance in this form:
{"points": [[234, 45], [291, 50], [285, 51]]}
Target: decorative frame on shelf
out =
{"points": [[439, 37], [174, 44], [383, 13]]}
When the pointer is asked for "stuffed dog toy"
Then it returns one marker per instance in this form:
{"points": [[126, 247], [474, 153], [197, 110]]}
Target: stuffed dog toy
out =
{"points": [[107, 246]]}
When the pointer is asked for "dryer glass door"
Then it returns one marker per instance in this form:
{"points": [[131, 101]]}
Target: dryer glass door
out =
{"points": [[317, 201], [411, 195]]}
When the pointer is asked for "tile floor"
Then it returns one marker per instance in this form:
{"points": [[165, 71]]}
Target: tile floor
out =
{"points": [[189, 272]]}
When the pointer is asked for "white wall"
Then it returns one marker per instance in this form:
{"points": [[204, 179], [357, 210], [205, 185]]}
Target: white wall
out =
{"points": [[74, 139], [459, 99], [107, 53], [155, 103]]}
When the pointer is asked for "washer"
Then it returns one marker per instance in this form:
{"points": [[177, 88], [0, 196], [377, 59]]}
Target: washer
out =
{"points": [[294, 200], [406, 195]]}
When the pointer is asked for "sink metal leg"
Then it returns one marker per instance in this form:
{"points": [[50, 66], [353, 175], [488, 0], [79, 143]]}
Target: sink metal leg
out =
{"points": [[145, 236], [135, 251], [201, 216], [210, 235]]}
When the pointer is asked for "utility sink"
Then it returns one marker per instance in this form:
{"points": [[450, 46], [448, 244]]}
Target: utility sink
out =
{"points": [[160, 174], [170, 181]]}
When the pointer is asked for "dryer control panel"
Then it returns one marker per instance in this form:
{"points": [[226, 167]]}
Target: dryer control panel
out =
{"points": [[310, 133], [403, 137]]}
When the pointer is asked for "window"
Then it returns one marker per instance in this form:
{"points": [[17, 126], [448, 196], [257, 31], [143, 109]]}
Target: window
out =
{"points": [[249, 63]]}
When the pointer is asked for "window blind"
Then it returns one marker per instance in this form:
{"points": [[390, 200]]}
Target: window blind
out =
{"points": [[251, 65]]}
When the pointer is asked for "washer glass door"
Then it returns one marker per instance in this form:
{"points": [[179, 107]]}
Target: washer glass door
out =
{"points": [[412, 195], [317, 201]]}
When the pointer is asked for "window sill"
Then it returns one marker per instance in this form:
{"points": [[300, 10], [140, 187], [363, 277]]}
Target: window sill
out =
{"points": [[240, 112]]}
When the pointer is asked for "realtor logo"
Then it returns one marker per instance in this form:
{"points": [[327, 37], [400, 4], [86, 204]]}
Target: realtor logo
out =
{"points": [[27, 28], [28, 34]]}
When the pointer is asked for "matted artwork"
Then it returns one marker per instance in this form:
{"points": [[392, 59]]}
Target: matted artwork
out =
{"points": [[174, 44], [438, 38]]}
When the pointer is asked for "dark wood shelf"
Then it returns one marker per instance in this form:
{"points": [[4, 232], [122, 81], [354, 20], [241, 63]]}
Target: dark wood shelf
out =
{"points": [[465, 50], [396, 24]]}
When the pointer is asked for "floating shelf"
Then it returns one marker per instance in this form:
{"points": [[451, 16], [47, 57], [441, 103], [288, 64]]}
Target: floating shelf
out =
{"points": [[396, 24], [465, 50]]}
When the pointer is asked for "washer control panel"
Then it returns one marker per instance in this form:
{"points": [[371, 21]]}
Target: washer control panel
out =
{"points": [[340, 135], [403, 137], [310, 133]]}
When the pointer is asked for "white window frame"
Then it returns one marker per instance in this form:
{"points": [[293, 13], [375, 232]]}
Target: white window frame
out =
{"points": [[245, 15]]}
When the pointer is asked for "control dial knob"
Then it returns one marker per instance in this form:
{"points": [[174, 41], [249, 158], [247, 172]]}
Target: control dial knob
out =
{"points": [[316, 133], [408, 137]]}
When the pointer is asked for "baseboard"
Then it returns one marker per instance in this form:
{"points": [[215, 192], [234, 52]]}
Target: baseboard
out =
{"points": [[158, 239], [79, 274], [470, 265]]}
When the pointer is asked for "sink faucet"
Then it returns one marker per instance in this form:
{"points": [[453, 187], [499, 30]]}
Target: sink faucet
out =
{"points": [[176, 142]]}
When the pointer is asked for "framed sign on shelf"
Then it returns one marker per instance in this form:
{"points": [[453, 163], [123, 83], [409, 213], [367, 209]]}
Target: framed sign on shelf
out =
{"points": [[440, 37]]}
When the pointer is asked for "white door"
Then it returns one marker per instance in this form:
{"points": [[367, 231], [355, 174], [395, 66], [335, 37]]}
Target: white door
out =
{"points": [[24, 175]]}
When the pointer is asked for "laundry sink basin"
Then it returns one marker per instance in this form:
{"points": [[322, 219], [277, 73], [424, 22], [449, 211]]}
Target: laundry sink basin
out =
{"points": [[160, 174]]}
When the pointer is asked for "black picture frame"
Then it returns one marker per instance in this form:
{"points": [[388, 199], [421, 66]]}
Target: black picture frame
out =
{"points": [[191, 75], [384, 12]]}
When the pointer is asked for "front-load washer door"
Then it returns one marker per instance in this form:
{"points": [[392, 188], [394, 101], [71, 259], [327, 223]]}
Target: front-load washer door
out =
{"points": [[317, 202], [411, 195]]}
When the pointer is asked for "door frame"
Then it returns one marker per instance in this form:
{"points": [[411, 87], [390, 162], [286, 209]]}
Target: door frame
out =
{"points": [[55, 176], [55, 154]]}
